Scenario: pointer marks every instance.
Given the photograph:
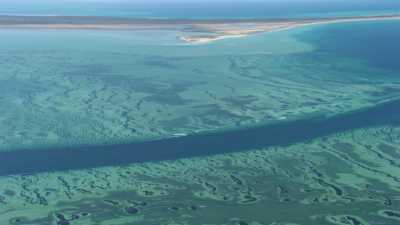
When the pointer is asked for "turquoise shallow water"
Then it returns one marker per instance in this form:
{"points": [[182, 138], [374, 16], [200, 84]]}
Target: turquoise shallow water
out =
{"points": [[304, 122], [98, 87], [283, 134]]}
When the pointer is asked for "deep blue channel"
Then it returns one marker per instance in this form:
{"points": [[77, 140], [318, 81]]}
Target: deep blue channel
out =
{"points": [[281, 134]]}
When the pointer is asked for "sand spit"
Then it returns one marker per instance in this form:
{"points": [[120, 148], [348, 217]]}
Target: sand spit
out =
{"points": [[194, 31], [240, 29]]}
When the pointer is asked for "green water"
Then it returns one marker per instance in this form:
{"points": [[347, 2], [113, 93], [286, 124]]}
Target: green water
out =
{"points": [[95, 87], [75, 88]]}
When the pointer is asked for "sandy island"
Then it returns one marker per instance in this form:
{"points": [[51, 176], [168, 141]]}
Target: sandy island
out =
{"points": [[194, 31]]}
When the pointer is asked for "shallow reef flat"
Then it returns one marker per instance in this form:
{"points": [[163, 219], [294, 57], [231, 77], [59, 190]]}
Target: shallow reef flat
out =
{"points": [[349, 178], [77, 94]]}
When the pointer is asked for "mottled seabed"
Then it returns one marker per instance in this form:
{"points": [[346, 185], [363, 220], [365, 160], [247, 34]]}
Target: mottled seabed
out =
{"points": [[74, 94], [65, 90], [349, 178]]}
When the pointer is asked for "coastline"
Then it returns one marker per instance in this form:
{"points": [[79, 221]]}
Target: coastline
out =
{"points": [[266, 27], [211, 30]]}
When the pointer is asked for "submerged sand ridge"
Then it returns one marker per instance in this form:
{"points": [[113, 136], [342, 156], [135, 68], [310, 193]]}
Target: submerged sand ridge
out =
{"points": [[209, 30]]}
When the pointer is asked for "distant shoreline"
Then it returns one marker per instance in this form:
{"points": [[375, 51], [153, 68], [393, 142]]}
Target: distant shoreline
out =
{"points": [[208, 30]]}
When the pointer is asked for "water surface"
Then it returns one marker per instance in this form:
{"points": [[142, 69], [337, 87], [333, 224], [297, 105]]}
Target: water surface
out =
{"points": [[303, 123], [202, 10], [67, 91], [282, 134]]}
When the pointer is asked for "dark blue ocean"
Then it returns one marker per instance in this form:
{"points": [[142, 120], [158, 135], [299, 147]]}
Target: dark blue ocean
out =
{"points": [[202, 9], [375, 43]]}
